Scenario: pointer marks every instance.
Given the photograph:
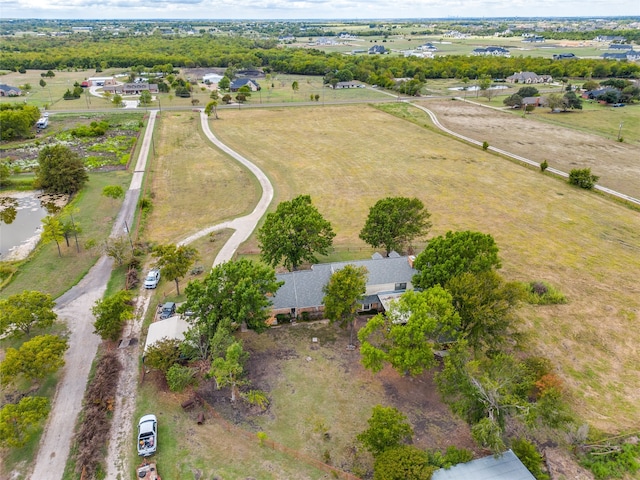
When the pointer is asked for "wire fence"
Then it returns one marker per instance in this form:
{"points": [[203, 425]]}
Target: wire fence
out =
{"points": [[267, 442]]}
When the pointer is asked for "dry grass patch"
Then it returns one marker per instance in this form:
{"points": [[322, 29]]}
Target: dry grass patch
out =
{"points": [[348, 157], [193, 184]]}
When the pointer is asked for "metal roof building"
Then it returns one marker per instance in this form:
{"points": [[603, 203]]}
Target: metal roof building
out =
{"points": [[505, 467]]}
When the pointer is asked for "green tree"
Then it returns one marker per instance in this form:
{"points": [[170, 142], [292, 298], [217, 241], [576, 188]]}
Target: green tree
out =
{"points": [[35, 359], [294, 233], [175, 261], [17, 120], [212, 107], [117, 100], [113, 191], [111, 314], [163, 354], [388, 428], [19, 422], [224, 83], [180, 377], [582, 177], [5, 173], [555, 101], [22, 312], [42, 83], [514, 100], [572, 101], [228, 371], [528, 92], [8, 209], [145, 97], [404, 462], [530, 457], [295, 86], [486, 305], [232, 293], [394, 222], [407, 335], [60, 170], [454, 254], [119, 249], [52, 231], [342, 296], [590, 85]]}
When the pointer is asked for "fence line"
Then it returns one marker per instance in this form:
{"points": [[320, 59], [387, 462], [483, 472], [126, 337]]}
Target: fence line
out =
{"points": [[229, 427]]}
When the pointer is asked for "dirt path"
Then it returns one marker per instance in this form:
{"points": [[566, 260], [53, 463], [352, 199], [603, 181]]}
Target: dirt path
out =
{"points": [[120, 435], [74, 307]]}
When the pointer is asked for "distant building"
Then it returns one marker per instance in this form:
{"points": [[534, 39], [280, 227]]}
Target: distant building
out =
{"points": [[211, 78], [238, 83], [629, 55], [9, 91], [491, 51], [564, 56], [376, 50], [528, 78]]}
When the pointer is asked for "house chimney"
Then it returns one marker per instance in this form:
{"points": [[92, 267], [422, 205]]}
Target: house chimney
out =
{"points": [[411, 259]]}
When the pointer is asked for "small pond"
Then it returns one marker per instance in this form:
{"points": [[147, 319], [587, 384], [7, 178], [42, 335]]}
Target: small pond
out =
{"points": [[20, 223]]}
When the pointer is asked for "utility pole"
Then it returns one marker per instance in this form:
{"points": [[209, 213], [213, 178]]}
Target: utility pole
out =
{"points": [[620, 131], [126, 229]]}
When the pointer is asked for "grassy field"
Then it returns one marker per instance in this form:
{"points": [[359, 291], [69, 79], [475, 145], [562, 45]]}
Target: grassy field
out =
{"points": [[582, 243], [192, 185], [95, 215]]}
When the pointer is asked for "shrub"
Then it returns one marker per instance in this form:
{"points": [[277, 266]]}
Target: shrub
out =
{"points": [[530, 457], [544, 165], [582, 177], [180, 377], [306, 317], [485, 146], [613, 461], [542, 293], [282, 318], [163, 354], [257, 397]]}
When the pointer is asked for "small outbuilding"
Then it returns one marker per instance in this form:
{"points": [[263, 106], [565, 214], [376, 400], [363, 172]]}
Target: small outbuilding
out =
{"points": [[503, 467], [172, 328]]}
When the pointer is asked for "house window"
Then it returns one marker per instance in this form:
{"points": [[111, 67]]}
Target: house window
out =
{"points": [[366, 306], [401, 286]]}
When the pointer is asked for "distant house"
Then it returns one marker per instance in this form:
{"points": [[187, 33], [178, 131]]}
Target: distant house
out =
{"points": [[535, 101], [132, 88], [528, 78], [620, 46], [502, 467], [564, 56], [101, 81], [533, 39], [594, 94], [349, 85], [629, 55], [9, 91], [376, 50], [428, 47], [491, 51], [388, 278], [610, 38], [238, 83]]}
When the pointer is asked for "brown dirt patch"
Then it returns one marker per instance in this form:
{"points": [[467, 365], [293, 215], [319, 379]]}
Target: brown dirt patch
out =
{"points": [[565, 149]]}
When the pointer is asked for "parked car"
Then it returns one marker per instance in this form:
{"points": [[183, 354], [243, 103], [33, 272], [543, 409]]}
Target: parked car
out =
{"points": [[153, 278], [147, 435], [168, 310]]}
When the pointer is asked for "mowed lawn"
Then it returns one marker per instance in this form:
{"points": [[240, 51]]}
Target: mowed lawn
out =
{"points": [[192, 184], [348, 157]]}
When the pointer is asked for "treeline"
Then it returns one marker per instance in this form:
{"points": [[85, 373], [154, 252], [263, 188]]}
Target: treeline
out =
{"points": [[208, 51]]}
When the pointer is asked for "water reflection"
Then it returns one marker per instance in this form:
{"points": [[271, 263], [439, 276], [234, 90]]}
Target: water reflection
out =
{"points": [[20, 221]]}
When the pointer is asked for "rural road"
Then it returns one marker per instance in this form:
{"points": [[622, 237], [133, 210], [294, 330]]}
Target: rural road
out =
{"points": [[74, 308]]}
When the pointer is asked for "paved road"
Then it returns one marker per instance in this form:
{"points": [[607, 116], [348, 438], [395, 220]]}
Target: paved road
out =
{"points": [[74, 308]]}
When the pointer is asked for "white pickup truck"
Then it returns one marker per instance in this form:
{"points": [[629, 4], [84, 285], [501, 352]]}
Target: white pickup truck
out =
{"points": [[147, 435]]}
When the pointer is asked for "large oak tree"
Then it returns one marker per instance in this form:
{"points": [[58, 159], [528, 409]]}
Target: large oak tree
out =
{"points": [[394, 222], [294, 233], [60, 170]]}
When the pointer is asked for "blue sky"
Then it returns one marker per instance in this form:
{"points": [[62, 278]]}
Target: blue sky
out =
{"points": [[311, 9]]}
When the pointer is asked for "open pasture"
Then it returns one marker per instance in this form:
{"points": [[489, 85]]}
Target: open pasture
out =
{"points": [[348, 157]]}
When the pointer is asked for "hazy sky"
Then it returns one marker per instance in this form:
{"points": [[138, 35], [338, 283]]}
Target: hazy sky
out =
{"points": [[311, 9]]}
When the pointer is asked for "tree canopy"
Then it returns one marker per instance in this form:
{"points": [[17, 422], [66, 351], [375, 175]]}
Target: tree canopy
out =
{"points": [[174, 261], [111, 314], [407, 335], [22, 312], [394, 222], [294, 233], [454, 254], [388, 428], [35, 359], [19, 421], [17, 120], [402, 463], [342, 294], [60, 170], [232, 293]]}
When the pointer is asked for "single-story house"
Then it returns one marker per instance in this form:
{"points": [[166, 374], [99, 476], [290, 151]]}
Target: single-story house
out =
{"points": [[349, 85], [535, 101], [377, 49], [132, 88], [172, 328], [302, 289], [610, 38], [238, 83], [630, 55], [528, 78], [620, 46], [9, 91], [533, 39], [503, 467], [593, 94], [491, 51]]}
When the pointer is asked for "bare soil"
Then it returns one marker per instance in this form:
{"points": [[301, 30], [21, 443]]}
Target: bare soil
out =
{"points": [[615, 163]]}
